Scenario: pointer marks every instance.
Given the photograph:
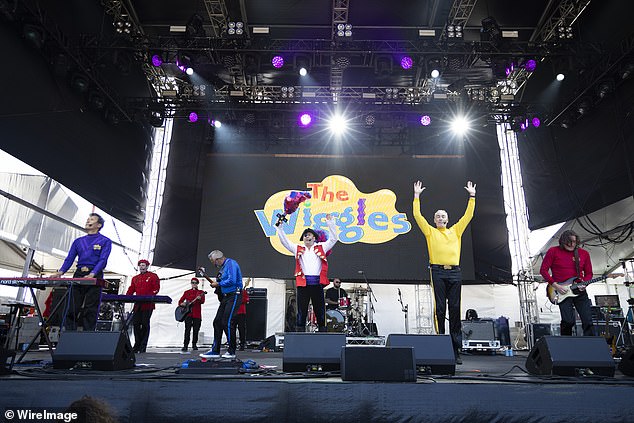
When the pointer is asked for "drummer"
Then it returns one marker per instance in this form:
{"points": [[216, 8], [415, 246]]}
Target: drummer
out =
{"points": [[336, 297]]}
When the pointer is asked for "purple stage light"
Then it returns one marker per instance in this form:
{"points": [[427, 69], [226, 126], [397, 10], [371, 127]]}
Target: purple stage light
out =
{"points": [[406, 62], [536, 122], [425, 120], [305, 119], [193, 117], [530, 65], [277, 61], [156, 60]]}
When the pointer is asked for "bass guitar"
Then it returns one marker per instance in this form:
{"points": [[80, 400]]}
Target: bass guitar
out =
{"points": [[573, 287]]}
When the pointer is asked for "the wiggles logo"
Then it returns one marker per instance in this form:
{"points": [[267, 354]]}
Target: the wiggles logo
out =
{"points": [[368, 218]]}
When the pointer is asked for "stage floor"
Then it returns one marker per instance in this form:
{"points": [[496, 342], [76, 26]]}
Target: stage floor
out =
{"points": [[485, 388]]}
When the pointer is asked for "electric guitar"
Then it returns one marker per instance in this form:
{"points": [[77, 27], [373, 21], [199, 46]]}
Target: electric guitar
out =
{"points": [[573, 286], [217, 290]]}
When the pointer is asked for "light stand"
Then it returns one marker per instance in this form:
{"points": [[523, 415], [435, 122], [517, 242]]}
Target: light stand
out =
{"points": [[404, 310], [370, 310]]}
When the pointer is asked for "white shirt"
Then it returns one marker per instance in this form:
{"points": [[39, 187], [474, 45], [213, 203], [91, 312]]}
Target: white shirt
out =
{"points": [[310, 261]]}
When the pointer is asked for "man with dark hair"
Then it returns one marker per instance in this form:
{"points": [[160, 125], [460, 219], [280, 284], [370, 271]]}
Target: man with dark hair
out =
{"points": [[229, 280], [311, 271], [145, 283], [443, 245], [334, 295], [561, 263], [92, 251]]}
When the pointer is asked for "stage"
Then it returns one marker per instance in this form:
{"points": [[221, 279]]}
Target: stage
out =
{"points": [[486, 388]]}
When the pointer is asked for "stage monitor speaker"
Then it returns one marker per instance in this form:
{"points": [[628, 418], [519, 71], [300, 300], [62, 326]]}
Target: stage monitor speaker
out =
{"points": [[384, 364], [626, 366], [433, 353], [256, 319], [312, 351], [540, 329], [103, 350], [566, 355]]}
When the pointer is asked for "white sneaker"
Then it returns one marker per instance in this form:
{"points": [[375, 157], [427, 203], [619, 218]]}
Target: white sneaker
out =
{"points": [[210, 354], [228, 355]]}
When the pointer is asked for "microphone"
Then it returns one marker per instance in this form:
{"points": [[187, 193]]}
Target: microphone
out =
{"points": [[399, 291], [360, 272]]}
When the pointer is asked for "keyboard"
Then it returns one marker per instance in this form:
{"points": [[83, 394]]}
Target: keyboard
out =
{"points": [[42, 283], [136, 298]]}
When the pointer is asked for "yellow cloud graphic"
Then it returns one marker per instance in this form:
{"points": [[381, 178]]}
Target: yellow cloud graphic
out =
{"points": [[370, 218]]}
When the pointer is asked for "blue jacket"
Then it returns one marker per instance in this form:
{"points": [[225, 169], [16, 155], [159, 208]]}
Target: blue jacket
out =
{"points": [[230, 279]]}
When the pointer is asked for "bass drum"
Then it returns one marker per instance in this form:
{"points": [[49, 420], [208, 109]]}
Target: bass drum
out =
{"points": [[335, 321]]}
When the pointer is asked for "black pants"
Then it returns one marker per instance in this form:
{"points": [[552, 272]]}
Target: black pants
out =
{"points": [[225, 321], [584, 308], [305, 295], [241, 323], [191, 323], [83, 304], [141, 323], [447, 285]]}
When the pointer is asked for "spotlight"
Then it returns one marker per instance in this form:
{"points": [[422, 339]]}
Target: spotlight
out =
{"points": [[305, 119], [370, 119], [215, 123], [193, 117], [338, 124], [303, 72], [560, 77], [79, 83], [460, 125], [406, 62], [344, 30], [584, 106], [157, 60], [535, 121], [34, 35], [425, 120], [342, 62], [530, 65], [277, 61], [435, 73], [603, 89], [184, 62], [235, 29], [454, 32]]}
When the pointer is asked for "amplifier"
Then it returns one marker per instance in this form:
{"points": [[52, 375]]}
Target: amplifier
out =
{"points": [[481, 330], [256, 292]]}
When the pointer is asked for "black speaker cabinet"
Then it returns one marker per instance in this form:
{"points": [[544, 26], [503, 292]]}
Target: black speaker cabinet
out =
{"points": [[312, 351], [103, 350], [434, 353], [626, 366], [565, 355], [384, 364], [256, 319]]}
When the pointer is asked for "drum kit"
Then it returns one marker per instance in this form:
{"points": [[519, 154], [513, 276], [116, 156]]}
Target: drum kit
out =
{"points": [[350, 317]]}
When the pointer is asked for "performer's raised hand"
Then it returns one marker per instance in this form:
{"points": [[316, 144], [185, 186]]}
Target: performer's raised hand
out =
{"points": [[418, 188], [471, 188]]}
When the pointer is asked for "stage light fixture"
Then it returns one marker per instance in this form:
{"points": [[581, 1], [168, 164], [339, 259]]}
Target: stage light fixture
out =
{"points": [[303, 72], [560, 77], [406, 62], [157, 60], [425, 120], [604, 88], [337, 124], [215, 123], [342, 62], [435, 73], [235, 29], [156, 115], [454, 32], [34, 34], [370, 119], [184, 63], [490, 30], [288, 92], [305, 119], [344, 30], [277, 61], [627, 70], [79, 82], [530, 65], [584, 106], [193, 117], [535, 121]]}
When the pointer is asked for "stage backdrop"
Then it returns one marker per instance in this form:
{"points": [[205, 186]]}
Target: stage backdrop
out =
{"points": [[370, 196]]}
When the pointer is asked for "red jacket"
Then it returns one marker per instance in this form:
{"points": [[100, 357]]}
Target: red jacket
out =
{"points": [[561, 264], [243, 306], [190, 295], [145, 284], [300, 278]]}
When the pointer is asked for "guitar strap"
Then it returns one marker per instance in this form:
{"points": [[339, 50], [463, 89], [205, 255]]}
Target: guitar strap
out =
{"points": [[577, 267]]}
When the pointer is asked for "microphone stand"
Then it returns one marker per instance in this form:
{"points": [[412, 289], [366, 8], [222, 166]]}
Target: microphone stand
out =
{"points": [[370, 311], [404, 309]]}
